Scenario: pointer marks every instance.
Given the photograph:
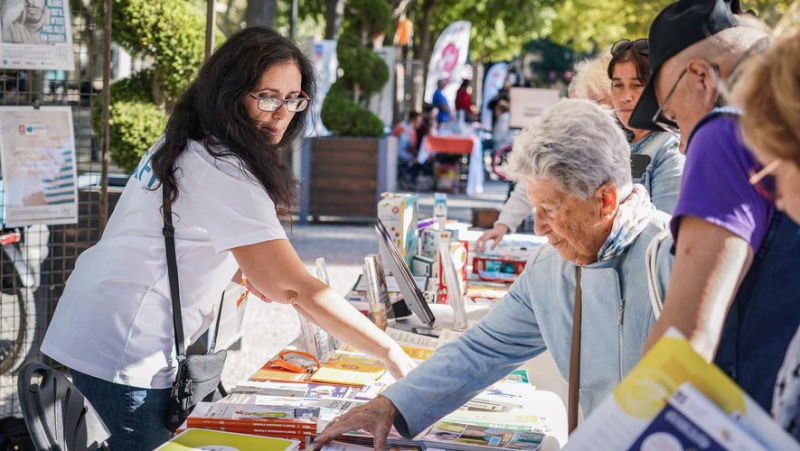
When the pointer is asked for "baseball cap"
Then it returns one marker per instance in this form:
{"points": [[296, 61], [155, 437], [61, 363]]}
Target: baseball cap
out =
{"points": [[678, 26]]}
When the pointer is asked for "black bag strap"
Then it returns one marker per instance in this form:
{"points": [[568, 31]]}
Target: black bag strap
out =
{"points": [[172, 269]]}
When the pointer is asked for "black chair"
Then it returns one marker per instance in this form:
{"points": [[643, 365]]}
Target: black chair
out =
{"points": [[58, 417]]}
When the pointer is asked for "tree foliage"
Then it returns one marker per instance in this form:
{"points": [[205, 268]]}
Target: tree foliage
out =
{"points": [[364, 73], [172, 34]]}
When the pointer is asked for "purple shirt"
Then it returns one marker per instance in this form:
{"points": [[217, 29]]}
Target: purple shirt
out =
{"points": [[715, 186]]}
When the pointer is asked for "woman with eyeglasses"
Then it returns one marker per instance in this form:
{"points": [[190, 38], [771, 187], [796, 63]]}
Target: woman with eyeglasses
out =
{"points": [[219, 167], [769, 94], [656, 161]]}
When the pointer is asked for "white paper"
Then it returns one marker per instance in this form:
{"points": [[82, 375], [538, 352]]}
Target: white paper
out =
{"points": [[37, 154], [36, 34]]}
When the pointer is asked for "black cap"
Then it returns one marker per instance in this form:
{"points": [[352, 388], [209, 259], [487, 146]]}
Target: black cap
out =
{"points": [[678, 26]]}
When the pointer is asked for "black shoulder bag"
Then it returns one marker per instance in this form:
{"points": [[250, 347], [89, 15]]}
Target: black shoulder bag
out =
{"points": [[198, 375]]}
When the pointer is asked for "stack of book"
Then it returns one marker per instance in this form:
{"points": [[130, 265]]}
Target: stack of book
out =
{"points": [[279, 421]]}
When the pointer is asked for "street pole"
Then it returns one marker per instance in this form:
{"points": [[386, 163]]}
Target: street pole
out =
{"points": [[211, 22], [293, 21]]}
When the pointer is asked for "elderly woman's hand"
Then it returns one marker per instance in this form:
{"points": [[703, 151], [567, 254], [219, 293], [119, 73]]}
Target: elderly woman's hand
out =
{"points": [[375, 417]]}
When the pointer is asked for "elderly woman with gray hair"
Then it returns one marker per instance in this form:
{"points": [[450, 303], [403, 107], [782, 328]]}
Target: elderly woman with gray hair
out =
{"points": [[574, 161]]}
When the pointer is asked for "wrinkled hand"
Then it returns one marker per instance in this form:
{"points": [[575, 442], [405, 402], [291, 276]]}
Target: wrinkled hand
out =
{"points": [[496, 234], [375, 417], [399, 363]]}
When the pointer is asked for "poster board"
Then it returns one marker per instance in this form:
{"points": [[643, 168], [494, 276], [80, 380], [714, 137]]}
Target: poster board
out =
{"points": [[36, 34], [528, 103], [37, 155]]}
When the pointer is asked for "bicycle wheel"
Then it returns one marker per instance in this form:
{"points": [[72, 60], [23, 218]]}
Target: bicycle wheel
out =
{"points": [[17, 319]]}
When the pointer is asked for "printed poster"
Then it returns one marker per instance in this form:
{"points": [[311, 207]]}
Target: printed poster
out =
{"points": [[37, 154], [35, 34]]}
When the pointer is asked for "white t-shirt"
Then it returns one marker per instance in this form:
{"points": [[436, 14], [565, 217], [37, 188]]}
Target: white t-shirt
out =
{"points": [[114, 319]]}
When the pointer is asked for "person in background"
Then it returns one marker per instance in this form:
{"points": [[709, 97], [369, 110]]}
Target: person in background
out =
{"points": [[464, 101], [502, 135], [599, 226], [427, 123], [440, 102], [656, 161], [734, 288], [769, 94], [590, 78], [407, 165], [220, 166]]}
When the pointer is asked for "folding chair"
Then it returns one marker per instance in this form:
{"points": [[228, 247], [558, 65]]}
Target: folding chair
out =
{"points": [[58, 416]]}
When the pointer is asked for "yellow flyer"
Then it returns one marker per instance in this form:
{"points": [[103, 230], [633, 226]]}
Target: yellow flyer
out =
{"points": [[192, 439]]}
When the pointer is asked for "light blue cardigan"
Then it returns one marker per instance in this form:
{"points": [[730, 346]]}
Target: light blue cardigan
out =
{"points": [[536, 315]]}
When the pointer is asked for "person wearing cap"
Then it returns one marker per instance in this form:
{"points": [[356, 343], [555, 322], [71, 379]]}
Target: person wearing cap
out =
{"points": [[734, 288], [769, 92]]}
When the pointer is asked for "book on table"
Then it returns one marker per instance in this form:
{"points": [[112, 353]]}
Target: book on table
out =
{"points": [[470, 437], [295, 422], [195, 439]]}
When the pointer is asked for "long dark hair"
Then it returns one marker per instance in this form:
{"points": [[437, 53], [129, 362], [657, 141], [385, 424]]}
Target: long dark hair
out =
{"points": [[212, 111]]}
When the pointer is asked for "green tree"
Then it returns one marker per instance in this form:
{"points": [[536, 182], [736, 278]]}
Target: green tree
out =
{"points": [[171, 33], [364, 73]]}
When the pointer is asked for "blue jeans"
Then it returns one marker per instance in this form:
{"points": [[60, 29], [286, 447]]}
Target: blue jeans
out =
{"points": [[134, 416]]}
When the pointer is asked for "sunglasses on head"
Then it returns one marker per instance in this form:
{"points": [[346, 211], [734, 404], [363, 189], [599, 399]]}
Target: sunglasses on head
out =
{"points": [[640, 46]]}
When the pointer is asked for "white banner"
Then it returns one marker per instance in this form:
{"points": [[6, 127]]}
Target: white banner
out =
{"points": [[36, 34], [448, 60], [37, 154], [494, 81], [323, 55]]}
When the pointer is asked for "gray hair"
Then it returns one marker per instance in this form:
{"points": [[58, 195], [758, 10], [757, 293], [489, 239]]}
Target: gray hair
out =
{"points": [[578, 144], [591, 78]]}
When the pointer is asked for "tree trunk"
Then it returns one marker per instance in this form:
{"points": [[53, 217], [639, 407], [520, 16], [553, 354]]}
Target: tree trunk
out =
{"points": [[334, 9], [425, 47], [261, 12]]}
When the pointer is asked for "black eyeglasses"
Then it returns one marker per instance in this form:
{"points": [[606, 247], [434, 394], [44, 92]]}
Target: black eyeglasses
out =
{"points": [[270, 104], [640, 46], [660, 120]]}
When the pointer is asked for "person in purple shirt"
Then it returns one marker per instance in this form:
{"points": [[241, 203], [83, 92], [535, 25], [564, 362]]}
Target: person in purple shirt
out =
{"points": [[734, 288]]}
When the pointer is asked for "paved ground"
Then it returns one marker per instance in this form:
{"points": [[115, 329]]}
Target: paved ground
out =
{"points": [[270, 327]]}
